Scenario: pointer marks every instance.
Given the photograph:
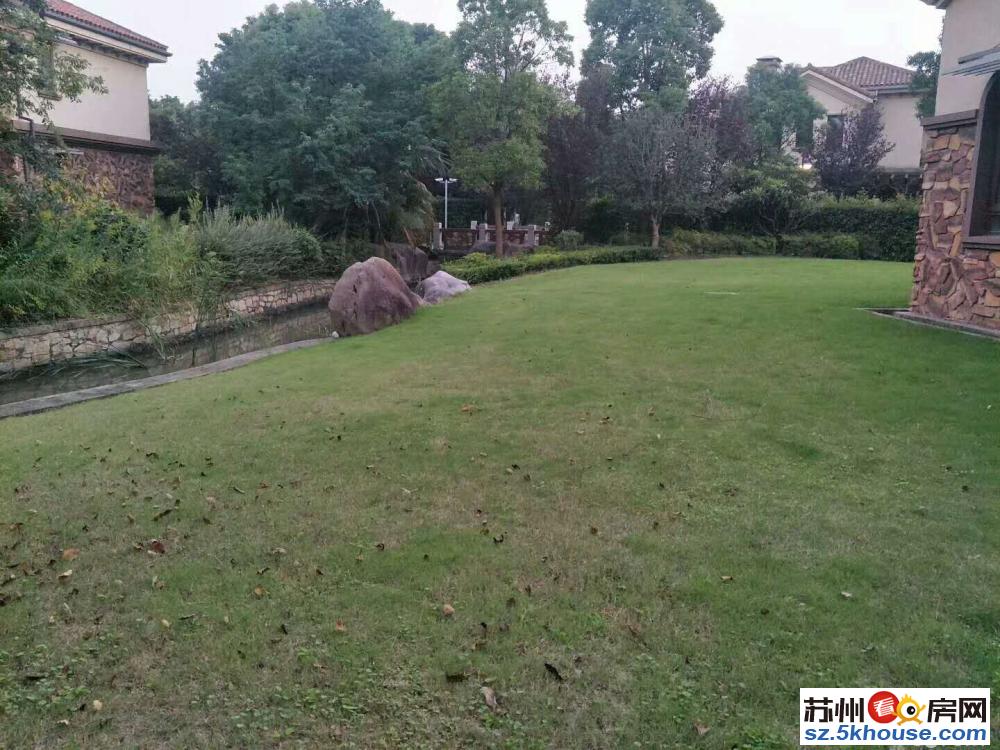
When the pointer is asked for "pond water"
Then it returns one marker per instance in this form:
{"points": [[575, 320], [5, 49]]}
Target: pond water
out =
{"points": [[305, 323]]}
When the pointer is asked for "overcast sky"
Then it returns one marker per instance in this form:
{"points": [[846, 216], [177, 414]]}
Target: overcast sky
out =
{"points": [[823, 32]]}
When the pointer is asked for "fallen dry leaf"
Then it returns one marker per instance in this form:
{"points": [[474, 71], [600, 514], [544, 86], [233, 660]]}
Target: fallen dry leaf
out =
{"points": [[157, 547], [66, 575], [490, 696], [70, 554], [165, 624], [728, 579], [97, 706], [847, 594], [340, 627], [701, 729], [447, 610], [260, 592]]}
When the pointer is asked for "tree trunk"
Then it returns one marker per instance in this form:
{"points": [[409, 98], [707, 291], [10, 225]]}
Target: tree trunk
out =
{"points": [[498, 219], [655, 221]]}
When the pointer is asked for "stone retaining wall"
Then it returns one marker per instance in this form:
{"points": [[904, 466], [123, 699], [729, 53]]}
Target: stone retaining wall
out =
{"points": [[34, 346], [952, 281]]}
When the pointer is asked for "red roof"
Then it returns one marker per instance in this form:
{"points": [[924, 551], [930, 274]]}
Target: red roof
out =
{"points": [[77, 16], [869, 75]]}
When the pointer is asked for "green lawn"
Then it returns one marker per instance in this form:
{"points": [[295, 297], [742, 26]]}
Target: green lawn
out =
{"points": [[577, 463]]}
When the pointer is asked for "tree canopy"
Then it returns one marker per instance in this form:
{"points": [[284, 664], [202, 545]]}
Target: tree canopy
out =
{"points": [[654, 49], [320, 109], [780, 109]]}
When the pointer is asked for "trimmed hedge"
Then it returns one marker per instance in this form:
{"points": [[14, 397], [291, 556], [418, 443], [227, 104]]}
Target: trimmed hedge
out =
{"points": [[685, 242], [844, 246], [688, 242], [478, 268], [885, 230]]}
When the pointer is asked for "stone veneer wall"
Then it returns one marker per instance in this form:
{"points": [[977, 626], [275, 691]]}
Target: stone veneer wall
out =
{"points": [[34, 346], [952, 281], [121, 176]]}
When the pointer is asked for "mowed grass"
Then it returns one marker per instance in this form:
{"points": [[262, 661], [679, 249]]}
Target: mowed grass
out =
{"points": [[689, 488]]}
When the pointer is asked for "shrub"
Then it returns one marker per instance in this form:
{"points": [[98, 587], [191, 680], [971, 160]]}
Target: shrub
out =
{"points": [[479, 270], [845, 246], [257, 249], [686, 242], [569, 239], [886, 230]]}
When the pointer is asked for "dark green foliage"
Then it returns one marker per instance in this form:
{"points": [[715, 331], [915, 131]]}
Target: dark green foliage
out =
{"points": [[685, 242], [780, 110], [802, 245], [651, 51], [319, 109], [478, 268], [189, 162], [568, 239], [843, 246], [770, 198], [925, 82], [886, 230]]}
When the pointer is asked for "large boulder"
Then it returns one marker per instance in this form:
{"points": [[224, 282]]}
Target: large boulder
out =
{"points": [[441, 286], [410, 261], [371, 296]]}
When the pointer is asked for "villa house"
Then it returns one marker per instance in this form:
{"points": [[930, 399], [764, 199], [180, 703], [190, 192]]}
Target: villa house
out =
{"points": [[106, 136], [863, 82], [957, 273]]}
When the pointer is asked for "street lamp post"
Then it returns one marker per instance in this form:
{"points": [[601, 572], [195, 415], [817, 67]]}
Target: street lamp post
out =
{"points": [[446, 181]]}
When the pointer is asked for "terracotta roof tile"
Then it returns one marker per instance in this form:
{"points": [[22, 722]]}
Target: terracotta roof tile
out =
{"points": [[78, 16], [870, 75]]}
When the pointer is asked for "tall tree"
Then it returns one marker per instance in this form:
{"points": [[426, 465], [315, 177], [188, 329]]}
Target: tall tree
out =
{"points": [[664, 164], [847, 154], [33, 74], [188, 163], [654, 49], [320, 109], [781, 111], [925, 81], [493, 113]]}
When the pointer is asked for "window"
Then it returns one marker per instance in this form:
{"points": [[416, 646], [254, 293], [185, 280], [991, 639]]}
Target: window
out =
{"points": [[986, 197], [47, 73]]}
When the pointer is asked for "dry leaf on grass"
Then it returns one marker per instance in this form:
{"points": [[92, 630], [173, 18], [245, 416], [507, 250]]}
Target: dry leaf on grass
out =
{"points": [[490, 696], [70, 554], [701, 729], [447, 610], [66, 575]]}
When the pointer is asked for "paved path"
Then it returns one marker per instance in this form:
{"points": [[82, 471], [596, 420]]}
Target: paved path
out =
{"points": [[59, 400]]}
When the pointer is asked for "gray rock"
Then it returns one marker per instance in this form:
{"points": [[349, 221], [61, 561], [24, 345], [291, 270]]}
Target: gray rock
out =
{"points": [[371, 296], [441, 286], [410, 261]]}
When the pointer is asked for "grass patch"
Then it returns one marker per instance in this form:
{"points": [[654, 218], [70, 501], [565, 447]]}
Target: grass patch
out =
{"points": [[576, 462]]}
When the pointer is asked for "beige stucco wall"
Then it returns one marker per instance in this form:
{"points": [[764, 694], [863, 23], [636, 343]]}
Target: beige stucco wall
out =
{"points": [[902, 127], [123, 111], [969, 26], [899, 115]]}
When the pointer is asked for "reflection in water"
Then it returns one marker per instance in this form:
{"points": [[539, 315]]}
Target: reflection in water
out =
{"points": [[298, 325]]}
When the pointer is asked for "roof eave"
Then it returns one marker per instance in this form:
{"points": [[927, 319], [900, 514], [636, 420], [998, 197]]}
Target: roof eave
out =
{"points": [[942, 4], [160, 51]]}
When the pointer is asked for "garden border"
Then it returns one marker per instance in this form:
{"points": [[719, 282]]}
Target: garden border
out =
{"points": [[59, 400]]}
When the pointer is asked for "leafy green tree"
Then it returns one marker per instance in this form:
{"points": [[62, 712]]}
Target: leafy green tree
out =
{"points": [[493, 113], [320, 109], [925, 82], [654, 49], [780, 110], [33, 74], [664, 164], [772, 197], [188, 163]]}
